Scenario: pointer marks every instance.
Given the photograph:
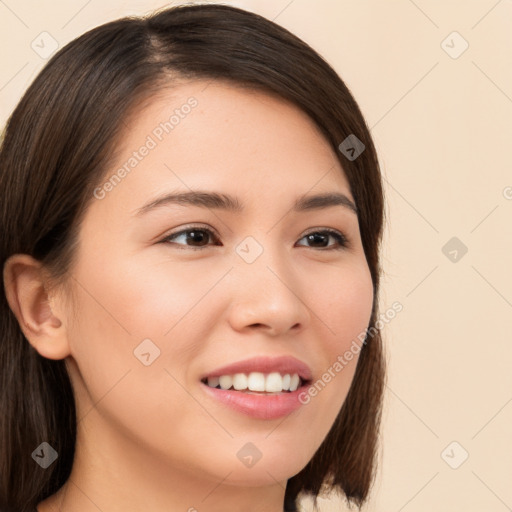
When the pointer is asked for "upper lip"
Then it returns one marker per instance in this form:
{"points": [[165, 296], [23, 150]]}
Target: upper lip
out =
{"points": [[265, 364]]}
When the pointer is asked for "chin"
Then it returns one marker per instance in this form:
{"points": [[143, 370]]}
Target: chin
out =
{"points": [[262, 473]]}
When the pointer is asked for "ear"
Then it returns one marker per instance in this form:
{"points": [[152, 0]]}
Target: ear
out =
{"points": [[25, 290]]}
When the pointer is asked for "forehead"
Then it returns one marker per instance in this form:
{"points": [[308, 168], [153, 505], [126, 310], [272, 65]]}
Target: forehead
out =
{"points": [[200, 135]]}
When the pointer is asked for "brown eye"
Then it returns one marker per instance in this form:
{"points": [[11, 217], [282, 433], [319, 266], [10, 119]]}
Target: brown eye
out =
{"points": [[322, 237], [194, 237], [198, 238]]}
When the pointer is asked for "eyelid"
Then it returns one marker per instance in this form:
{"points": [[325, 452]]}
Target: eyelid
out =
{"points": [[343, 242], [324, 230], [330, 231], [191, 227]]}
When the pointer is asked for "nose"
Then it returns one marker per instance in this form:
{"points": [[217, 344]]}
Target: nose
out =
{"points": [[267, 295]]}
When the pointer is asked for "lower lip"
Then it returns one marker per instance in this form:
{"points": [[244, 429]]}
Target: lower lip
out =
{"points": [[265, 407]]}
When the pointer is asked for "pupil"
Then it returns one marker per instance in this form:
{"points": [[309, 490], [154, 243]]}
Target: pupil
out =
{"points": [[313, 236], [194, 234]]}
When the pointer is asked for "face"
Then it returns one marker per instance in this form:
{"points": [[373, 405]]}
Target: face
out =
{"points": [[166, 295]]}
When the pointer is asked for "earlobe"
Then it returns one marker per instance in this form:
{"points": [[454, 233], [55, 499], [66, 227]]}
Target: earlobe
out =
{"points": [[29, 301]]}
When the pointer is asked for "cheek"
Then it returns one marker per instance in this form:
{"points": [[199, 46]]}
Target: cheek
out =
{"points": [[121, 305], [155, 298], [345, 305], [345, 311]]}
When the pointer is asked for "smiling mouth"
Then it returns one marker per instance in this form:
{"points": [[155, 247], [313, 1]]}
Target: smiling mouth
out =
{"points": [[257, 383]]}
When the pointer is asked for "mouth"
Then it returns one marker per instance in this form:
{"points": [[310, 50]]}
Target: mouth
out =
{"points": [[263, 387], [257, 383]]}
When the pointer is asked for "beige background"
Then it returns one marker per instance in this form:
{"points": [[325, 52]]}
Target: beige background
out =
{"points": [[442, 126]]}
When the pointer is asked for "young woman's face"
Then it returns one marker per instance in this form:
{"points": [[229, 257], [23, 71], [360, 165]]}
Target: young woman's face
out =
{"points": [[162, 303]]}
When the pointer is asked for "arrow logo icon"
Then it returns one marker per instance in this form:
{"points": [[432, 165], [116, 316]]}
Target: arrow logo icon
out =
{"points": [[249, 455], [44, 455], [146, 352], [454, 249], [351, 147], [454, 45], [249, 253], [454, 455]]}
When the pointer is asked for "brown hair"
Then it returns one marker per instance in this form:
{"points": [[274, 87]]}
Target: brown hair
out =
{"points": [[56, 149]]}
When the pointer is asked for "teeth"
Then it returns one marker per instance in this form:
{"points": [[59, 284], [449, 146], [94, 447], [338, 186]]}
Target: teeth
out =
{"points": [[240, 381], [213, 382], [256, 381], [294, 382], [226, 381], [274, 382]]}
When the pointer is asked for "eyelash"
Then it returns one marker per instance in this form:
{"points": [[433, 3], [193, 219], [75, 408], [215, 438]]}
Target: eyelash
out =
{"points": [[342, 242]]}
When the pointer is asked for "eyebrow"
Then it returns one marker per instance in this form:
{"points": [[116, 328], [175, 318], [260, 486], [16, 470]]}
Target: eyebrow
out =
{"points": [[220, 201]]}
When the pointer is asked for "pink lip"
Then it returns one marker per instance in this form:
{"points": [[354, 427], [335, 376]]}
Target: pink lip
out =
{"points": [[265, 364], [261, 406], [265, 407]]}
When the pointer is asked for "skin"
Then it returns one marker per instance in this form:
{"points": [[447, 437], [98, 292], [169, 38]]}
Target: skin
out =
{"points": [[148, 436]]}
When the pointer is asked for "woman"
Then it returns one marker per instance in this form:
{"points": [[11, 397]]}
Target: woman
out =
{"points": [[192, 212]]}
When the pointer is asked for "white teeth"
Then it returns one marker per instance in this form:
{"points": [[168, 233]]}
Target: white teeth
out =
{"points": [[226, 381], [294, 382], [256, 381], [274, 382], [240, 381]]}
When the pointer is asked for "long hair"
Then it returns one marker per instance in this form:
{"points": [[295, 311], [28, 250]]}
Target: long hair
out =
{"points": [[56, 149]]}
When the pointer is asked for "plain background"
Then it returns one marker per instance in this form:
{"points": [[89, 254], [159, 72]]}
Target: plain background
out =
{"points": [[440, 115]]}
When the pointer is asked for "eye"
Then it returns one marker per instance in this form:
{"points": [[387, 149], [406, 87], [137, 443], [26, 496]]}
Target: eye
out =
{"points": [[197, 237], [323, 236]]}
